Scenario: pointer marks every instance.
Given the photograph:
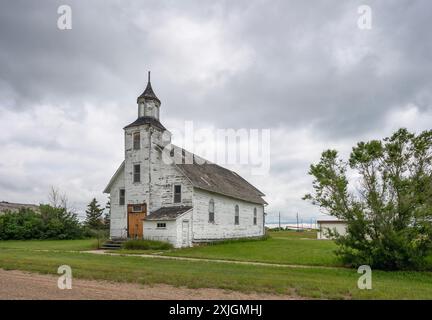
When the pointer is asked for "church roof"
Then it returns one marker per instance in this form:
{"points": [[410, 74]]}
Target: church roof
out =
{"points": [[168, 213], [214, 178], [114, 177], [148, 92], [211, 177], [146, 120]]}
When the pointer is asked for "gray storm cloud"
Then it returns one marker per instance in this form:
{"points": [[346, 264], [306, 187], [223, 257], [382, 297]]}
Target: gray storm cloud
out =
{"points": [[303, 69]]}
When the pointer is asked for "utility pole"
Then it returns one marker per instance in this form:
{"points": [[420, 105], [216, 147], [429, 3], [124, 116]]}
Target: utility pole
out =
{"points": [[297, 223], [279, 220]]}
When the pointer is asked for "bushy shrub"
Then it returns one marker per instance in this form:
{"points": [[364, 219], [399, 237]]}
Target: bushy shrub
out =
{"points": [[48, 223], [95, 233], [146, 245]]}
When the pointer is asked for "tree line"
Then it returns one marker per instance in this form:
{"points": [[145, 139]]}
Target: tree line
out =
{"points": [[56, 220]]}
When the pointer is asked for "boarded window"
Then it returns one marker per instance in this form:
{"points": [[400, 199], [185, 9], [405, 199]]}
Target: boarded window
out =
{"points": [[236, 215], [136, 141], [161, 225], [177, 193], [122, 195], [255, 216], [137, 173], [211, 211]]}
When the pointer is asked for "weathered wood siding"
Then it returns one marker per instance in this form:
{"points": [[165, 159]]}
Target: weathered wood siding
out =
{"points": [[118, 223], [173, 233], [156, 187], [224, 226]]}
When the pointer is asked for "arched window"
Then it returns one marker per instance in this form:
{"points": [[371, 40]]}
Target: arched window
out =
{"points": [[211, 211], [236, 217], [255, 216]]}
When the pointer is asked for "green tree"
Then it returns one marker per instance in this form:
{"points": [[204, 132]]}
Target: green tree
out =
{"points": [[94, 213], [387, 204], [47, 223], [107, 215]]}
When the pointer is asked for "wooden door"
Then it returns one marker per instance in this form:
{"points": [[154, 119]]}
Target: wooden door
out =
{"points": [[136, 215]]}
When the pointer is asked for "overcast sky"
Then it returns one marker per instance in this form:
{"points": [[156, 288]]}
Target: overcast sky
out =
{"points": [[303, 69]]}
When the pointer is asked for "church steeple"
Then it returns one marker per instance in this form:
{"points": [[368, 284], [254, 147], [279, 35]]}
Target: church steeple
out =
{"points": [[148, 92], [148, 102]]}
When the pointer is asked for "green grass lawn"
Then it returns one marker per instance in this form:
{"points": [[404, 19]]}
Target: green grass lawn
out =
{"points": [[307, 282], [293, 234], [284, 247]]}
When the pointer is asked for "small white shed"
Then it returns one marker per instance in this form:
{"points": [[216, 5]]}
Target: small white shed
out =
{"points": [[324, 225]]}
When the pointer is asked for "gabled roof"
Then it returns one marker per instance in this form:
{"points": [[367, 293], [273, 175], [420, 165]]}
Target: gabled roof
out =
{"points": [[168, 213], [211, 177], [114, 178], [214, 178]]}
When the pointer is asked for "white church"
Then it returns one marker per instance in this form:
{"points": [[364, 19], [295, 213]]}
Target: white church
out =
{"points": [[184, 200]]}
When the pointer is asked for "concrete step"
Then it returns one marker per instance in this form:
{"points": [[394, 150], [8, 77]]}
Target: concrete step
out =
{"points": [[113, 244]]}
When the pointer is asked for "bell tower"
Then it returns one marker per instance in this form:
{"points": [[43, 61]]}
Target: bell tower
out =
{"points": [[144, 139], [148, 103]]}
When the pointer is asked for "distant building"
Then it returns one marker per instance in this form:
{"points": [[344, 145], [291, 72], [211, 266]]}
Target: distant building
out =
{"points": [[15, 207], [325, 225]]}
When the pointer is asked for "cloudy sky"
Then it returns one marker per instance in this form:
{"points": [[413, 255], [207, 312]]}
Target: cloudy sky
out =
{"points": [[303, 69]]}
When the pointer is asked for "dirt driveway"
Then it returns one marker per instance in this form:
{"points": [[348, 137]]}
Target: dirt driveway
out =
{"points": [[23, 285]]}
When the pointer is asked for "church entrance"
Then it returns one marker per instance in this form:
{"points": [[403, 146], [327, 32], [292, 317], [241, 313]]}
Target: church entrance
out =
{"points": [[136, 215]]}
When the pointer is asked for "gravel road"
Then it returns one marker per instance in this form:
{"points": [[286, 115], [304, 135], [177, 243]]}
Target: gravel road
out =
{"points": [[23, 285]]}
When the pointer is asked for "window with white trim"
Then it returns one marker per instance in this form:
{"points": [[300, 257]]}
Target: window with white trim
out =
{"points": [[122, 197], [136, 173], [255, 216], [161, 225], [211, 211], [236, 215]]}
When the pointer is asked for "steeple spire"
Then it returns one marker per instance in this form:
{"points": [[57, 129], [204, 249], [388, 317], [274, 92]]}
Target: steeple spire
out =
{"points": [[148, 103], [148, 93]]}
